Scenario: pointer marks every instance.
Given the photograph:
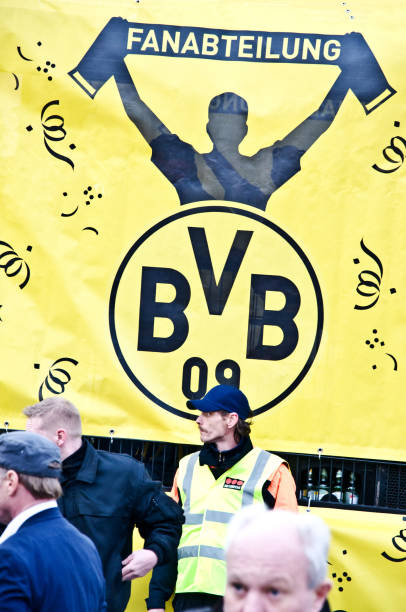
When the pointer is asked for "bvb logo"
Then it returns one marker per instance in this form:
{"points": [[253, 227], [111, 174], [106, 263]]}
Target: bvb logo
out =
{"points": [[215, 294]]}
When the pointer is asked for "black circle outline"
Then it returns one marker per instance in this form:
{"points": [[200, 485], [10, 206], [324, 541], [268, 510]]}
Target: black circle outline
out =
{"points": [[231, 210]]}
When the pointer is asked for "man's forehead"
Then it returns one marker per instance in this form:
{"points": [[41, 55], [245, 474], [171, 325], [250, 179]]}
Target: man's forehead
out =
{"points": [[268, 542], [264, 559]]}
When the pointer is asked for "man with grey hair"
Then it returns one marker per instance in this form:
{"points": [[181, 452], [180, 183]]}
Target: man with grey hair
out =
{"points": [[105, 495], [276, 561], [46, 564]]}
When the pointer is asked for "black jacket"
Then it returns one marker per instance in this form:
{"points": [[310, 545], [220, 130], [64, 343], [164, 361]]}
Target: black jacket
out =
{"points": [[105, 495]]}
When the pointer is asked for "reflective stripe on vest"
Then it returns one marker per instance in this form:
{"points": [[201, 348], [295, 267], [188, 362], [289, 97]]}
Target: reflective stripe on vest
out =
{"points": [[202, 551], [209, 505], [249, 489]]}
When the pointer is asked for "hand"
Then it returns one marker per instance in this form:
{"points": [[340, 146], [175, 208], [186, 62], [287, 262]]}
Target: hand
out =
{"points": [[156, 610], [114, 37], [118, 23], [353, 52], [138, 564]]}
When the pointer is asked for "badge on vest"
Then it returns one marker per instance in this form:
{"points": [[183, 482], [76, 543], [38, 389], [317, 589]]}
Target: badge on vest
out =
{"points": [[233, 483]]}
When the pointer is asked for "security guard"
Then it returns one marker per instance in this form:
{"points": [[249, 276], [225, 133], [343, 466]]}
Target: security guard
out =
{"points": [[212, 485]]}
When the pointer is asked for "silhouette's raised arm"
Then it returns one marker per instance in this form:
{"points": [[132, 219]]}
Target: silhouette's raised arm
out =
{"points": [[307, 132], [146, 121]]}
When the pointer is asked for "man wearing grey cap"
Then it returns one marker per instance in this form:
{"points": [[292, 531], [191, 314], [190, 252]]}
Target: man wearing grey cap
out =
{"points": [[46, 564]]}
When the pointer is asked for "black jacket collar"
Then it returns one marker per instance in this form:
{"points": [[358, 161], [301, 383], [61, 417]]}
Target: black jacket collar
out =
{"points": [[220, 462], [81, 465]]}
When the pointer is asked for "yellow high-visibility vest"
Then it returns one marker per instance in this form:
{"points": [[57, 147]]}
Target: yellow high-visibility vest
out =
{"points": [[209, 505]]}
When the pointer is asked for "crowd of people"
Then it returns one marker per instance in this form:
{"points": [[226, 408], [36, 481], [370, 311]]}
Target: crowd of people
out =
{"points": [[228, 537]]}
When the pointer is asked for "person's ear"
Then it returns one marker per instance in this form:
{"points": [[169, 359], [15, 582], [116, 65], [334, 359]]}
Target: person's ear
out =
{"points": [[12, 482], [60, 437], [321, 593], [232, 419], [208, 129]]}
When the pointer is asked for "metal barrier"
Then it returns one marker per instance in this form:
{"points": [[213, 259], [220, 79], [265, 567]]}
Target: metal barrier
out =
{"points": [[379, 486], [373, 485]]}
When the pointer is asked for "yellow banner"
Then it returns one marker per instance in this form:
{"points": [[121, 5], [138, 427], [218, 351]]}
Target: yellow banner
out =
{"points": [[201, 192], [367, 562]]}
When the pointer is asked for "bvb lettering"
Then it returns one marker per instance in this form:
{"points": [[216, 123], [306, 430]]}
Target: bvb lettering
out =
{"points": [[259, 316], [217, 295]]}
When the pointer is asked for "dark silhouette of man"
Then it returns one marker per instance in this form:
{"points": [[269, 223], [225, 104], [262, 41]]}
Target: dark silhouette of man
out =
{"points": [[223, 173]]}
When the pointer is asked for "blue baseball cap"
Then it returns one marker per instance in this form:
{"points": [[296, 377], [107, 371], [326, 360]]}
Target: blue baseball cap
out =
{"points": [[222, 397], [29, 453]]}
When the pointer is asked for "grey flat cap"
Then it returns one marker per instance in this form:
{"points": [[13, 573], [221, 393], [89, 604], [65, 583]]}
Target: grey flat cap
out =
{"points": [[29, 453]]}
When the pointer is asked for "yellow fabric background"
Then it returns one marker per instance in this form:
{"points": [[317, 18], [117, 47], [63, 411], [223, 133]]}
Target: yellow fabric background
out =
{"points": [[336, 200], [376, 584]]}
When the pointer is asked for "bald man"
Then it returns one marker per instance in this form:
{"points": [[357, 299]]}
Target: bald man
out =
{"points": [[276, 562]]}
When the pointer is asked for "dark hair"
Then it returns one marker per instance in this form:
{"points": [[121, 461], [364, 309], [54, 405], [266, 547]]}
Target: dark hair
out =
{"points": [[243, 427]]}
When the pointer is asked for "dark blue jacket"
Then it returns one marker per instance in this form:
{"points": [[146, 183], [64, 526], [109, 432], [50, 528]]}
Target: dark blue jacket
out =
{"points": [[49, 566]]}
